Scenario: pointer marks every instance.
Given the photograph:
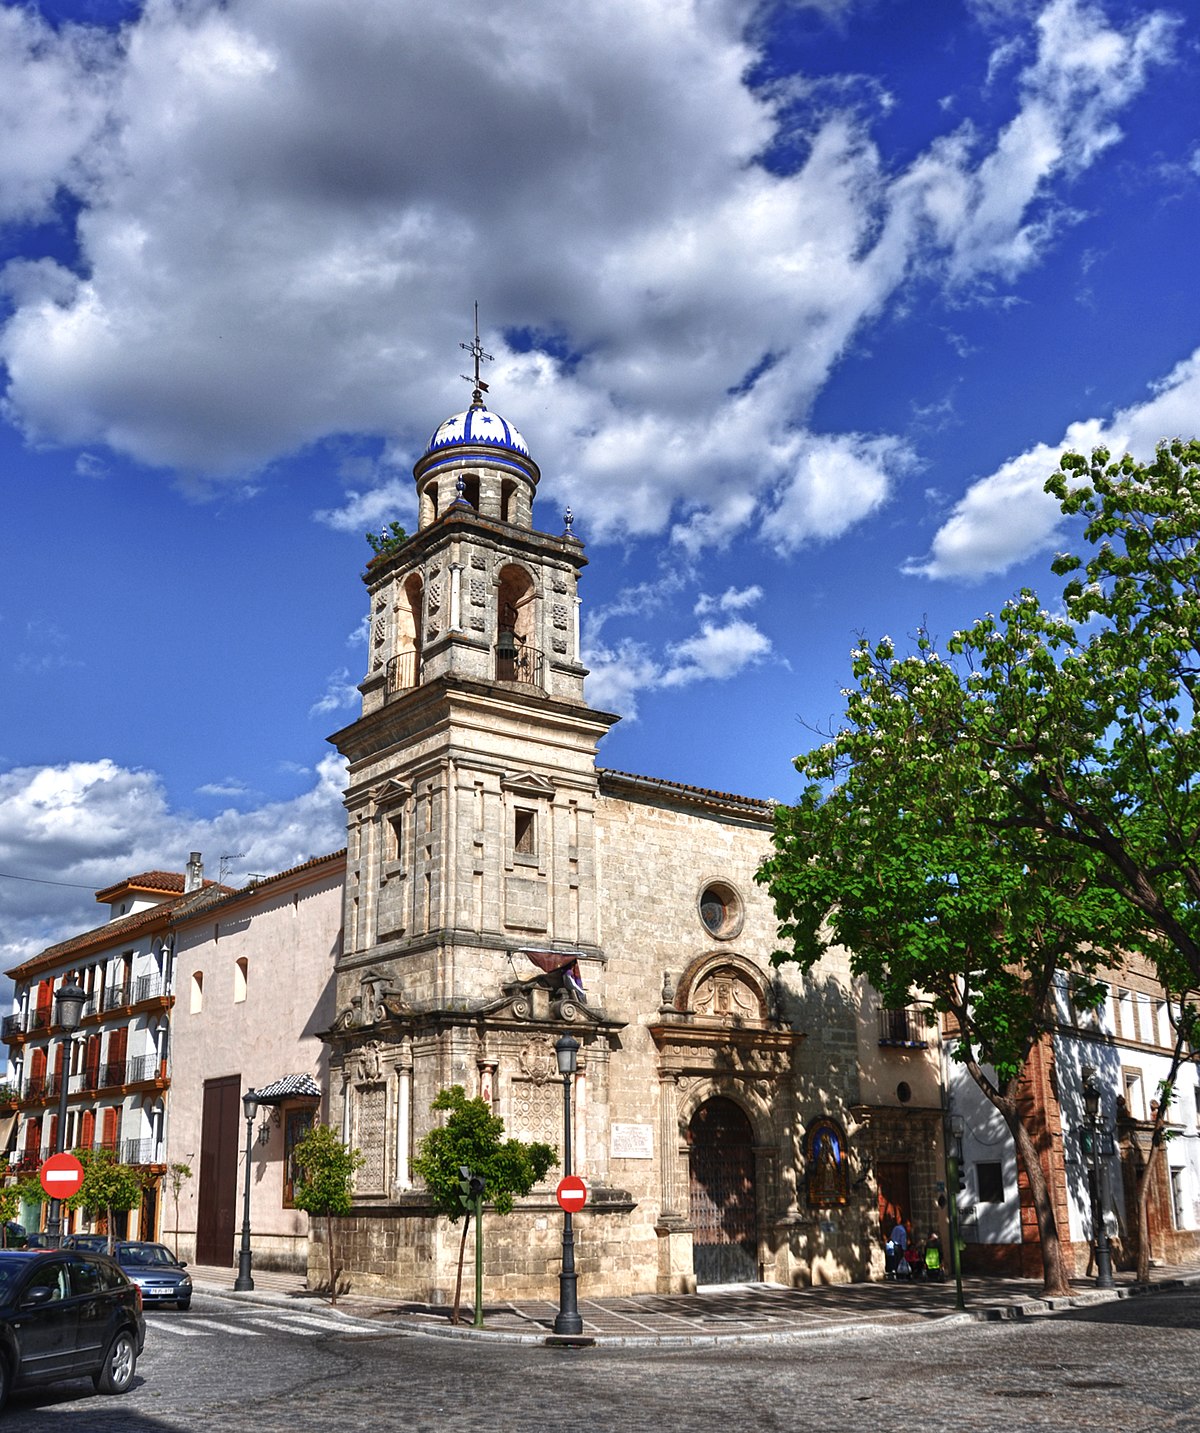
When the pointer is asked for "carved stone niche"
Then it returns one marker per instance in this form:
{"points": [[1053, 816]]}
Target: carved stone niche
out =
{"points": [[727, 996]]}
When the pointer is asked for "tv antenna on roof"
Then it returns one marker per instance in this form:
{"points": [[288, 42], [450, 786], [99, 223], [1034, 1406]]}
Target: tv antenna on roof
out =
{"points": [[476, 351], [226, 864]]}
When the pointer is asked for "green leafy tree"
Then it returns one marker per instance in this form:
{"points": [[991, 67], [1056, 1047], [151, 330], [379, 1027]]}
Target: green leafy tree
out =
{"points": [[178, 1174], [108, 1188], [10, 1204], [473, 1138], [1127, 784], [325, 1187], [904, 850], [390, 539]]}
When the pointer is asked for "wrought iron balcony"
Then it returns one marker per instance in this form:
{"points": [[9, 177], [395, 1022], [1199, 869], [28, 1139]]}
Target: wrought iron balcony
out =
{"points": [[119, 995], [41, 1018], [11, 1025], [908, 1028], [137, 1151], [42, 1087], [516, 662], [148, 987], [402, 672]]}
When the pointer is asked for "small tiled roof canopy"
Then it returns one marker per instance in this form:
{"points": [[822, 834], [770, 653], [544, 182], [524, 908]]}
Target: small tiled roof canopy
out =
{"points": [[291, 1087]]}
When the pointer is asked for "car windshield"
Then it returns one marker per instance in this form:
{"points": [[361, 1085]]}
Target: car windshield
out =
{"points": [[140, 1255]]}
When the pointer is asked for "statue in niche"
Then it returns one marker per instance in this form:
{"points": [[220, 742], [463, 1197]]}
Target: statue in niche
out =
{"points": [[370, 1063]]}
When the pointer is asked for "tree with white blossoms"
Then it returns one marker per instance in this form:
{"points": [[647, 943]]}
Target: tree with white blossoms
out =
{"points": [[987, 826]]}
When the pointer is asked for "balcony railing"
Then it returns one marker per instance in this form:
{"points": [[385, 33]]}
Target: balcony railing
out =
{"points": [[118, 995], [519, 664], [41, 1018], [11, 1025], [148, 987], [137, 1151], [907, 1028], [402, 672], [42, 1087]]}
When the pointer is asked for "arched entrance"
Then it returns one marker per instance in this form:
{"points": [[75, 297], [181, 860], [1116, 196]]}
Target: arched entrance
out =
{"points": [[723, 1209]]}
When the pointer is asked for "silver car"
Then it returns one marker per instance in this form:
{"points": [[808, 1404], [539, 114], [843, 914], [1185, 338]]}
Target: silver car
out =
{"points": [[162, 1278]]}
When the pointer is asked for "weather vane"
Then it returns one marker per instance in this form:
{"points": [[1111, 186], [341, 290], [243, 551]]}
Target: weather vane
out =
{"points": [[476, 351]]}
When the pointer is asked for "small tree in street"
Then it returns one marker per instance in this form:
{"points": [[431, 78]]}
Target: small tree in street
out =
{"points": [[178, 1175], [473, 1138], [10, 1203], [323, 1190], [108, 1187]]}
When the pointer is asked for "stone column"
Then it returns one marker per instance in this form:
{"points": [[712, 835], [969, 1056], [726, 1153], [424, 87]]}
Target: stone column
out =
{"points": [[403, 1118], [668, 1147], [579, 1129]]}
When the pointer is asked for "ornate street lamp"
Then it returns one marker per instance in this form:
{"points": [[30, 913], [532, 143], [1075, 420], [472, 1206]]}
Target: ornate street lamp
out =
{"points": [[244, 1281], [1091, 1105], [69, 1000], [568, 1320]]}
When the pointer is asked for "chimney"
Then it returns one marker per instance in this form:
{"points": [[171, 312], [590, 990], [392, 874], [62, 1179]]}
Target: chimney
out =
{"points": [[195, 873]]}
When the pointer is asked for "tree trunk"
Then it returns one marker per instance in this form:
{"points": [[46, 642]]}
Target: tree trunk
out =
{"points": [[1055, 1281], [462, 1253], [334, 1271]]}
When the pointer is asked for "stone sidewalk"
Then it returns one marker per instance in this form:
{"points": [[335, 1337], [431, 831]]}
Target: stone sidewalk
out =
{"points": [[741, 1313]]}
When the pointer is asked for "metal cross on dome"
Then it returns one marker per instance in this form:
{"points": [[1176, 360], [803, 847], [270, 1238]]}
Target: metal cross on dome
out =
{"points": [[476, 351]]}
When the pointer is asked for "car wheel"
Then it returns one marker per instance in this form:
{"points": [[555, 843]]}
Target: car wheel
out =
{"points": [[116, 1372], [5, 1380], [185, 1304]]}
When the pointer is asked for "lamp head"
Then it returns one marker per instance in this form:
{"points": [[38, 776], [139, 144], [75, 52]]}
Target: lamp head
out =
{"points": [[1091, 1093], [250, 1103], [566, 1051], [70, 998]]}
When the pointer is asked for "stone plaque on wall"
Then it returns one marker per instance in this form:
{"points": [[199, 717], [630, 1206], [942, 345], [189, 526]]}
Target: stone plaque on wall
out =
{"points": [[631, 1142]]}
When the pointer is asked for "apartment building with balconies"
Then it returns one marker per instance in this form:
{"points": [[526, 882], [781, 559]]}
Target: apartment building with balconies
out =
{"points": [[117, 1064]]}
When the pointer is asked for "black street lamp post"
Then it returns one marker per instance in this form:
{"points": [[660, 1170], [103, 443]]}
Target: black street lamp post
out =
{"points": [[568, 1320], [69, 998], [1091, 1104], [244, 1280]]}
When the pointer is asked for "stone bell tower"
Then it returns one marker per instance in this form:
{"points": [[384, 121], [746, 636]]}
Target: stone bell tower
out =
{"points": [[471, 931]]}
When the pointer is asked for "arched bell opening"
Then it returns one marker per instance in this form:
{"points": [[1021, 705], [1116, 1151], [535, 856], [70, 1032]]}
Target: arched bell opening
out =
{"points": [[517, 658], [404, 669]]}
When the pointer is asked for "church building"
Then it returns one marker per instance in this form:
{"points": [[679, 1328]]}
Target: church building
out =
{"points": [[733, 1121]]}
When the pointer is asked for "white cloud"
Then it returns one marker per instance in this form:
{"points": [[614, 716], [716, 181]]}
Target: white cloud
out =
{"points": [[290, 206], [619, 674], [340, 693], [70, 830], [733, 599], [1007, 517]]}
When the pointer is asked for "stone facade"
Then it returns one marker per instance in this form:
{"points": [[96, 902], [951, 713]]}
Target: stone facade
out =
{"points": [[502, 888]]}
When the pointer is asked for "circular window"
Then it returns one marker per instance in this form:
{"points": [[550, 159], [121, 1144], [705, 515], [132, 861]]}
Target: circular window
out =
{"points": [[720, 910], [904, 1092]]}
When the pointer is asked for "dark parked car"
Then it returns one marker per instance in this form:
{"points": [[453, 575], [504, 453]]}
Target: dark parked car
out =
{"points": [[15, 1235], [39, 1241], [66, 1314], [90, 1243], [162, 1278]]}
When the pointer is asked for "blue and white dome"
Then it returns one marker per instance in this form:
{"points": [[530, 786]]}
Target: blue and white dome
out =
{"points": [[476, 427]]}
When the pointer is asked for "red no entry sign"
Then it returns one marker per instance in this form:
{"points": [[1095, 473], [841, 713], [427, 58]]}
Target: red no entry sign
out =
{"points": [[61, 1176], [572, 1193]]}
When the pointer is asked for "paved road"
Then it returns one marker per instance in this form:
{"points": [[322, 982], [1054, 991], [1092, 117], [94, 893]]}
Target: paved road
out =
{"points": [[1128, 1367]]}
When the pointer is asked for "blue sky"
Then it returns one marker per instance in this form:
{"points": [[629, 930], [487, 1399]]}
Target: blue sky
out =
{"points": [[796, 305]]}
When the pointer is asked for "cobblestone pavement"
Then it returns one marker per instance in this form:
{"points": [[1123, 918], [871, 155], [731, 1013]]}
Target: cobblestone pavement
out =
{"points": [[731, 1313]]}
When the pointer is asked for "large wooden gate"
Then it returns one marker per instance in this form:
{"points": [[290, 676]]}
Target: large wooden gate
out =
{"points": [[217, 1212], [722, 1203]]}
